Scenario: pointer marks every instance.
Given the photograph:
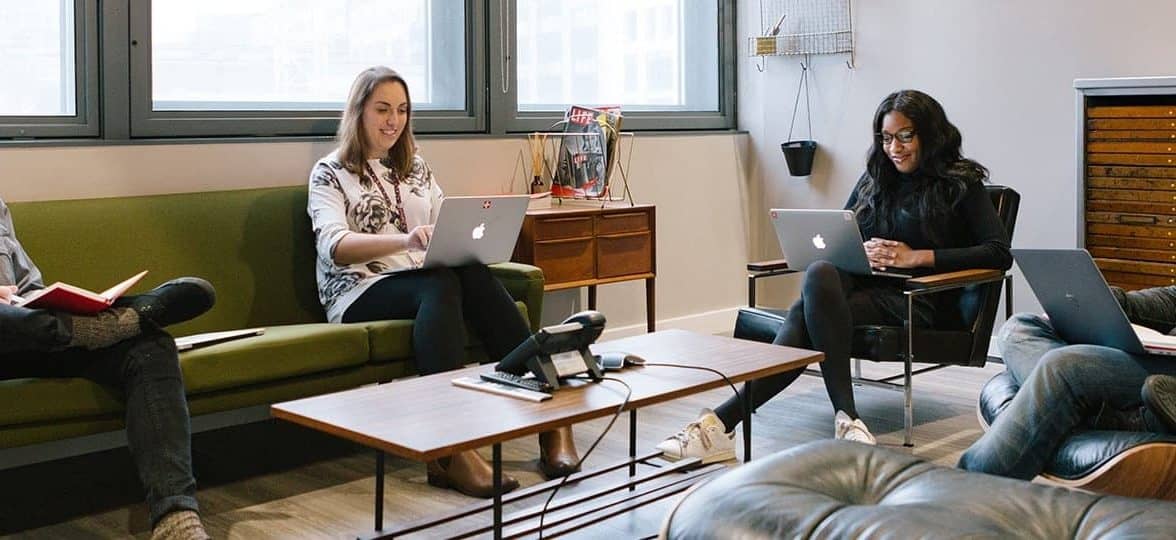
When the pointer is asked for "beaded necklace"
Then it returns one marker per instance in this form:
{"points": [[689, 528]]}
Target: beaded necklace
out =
{"points": [[403, 224]]}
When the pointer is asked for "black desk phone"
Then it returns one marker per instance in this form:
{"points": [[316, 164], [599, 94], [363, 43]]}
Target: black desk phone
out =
{"points": [[559, 351]]}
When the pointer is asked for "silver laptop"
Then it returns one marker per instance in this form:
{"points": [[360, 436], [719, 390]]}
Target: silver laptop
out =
{"points": [[832, 235], [481, 229], [1079, 302]]}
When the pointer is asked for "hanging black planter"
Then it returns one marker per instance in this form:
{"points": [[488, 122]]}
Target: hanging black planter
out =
{"points": [[798, 154]]}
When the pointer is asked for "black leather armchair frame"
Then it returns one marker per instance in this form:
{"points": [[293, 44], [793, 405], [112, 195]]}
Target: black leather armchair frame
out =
{"points": [[966, 345]]}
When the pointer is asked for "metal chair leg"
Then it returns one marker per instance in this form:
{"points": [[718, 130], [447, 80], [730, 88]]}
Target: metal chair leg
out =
{"points": [[908, 415]]}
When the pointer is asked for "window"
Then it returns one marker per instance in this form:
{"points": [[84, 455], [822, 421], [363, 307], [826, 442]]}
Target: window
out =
{"points": [[225, 67], [658, 59], [249, 68], [45, 53]]}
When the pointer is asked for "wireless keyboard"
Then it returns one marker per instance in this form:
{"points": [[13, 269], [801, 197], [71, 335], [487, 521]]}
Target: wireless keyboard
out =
{"points": [[529, 383]]}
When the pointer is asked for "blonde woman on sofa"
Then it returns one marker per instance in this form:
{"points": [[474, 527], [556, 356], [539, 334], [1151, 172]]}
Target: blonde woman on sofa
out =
{"points": [[123, 348], [373, 202]]}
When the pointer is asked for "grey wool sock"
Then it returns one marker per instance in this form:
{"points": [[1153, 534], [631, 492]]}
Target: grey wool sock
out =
{"points": [[179, 525], [105, 328]]}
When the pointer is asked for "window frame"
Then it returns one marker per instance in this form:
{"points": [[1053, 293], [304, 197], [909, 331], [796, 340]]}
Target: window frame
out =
{"points": [[85, 120], [148, 123], [503, 89]]}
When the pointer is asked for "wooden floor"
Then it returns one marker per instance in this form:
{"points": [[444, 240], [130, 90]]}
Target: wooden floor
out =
{"points": [[273, 480]]}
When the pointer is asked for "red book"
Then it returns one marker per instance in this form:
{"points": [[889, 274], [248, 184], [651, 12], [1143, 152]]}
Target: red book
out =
{"points": [[65, 297]]}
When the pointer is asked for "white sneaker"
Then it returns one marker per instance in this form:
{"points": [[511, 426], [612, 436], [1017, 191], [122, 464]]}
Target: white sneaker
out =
{"points": [[851, 430], [704, 438]]}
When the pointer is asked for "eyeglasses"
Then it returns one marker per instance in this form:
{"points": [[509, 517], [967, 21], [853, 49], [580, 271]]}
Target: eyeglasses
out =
{"points": [[904, 136]]}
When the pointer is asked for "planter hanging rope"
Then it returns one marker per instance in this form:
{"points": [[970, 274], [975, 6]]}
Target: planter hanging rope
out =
{"points": [[799, 154]]}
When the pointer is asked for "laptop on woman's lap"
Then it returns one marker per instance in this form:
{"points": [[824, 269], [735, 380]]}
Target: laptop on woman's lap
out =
{"points": [[807, 236], [479, 229]]}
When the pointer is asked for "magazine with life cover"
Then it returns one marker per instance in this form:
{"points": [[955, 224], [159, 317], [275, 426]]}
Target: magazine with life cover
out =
{"points": [[583, 161]]}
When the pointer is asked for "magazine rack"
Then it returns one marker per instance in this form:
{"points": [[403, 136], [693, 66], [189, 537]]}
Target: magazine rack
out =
{"points": [[544, 147]]}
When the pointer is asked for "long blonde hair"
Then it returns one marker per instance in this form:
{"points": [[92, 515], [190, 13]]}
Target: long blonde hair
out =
{"points": [[352, 140]]}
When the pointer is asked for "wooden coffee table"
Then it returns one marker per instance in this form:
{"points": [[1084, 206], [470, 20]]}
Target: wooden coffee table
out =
{"points": [[427, 418]]}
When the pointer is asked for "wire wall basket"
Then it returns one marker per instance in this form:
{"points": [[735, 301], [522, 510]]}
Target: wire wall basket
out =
{"points": [[796, 27]]}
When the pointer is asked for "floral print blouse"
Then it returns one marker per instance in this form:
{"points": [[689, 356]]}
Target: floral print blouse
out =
{"points": [[340, 202]]}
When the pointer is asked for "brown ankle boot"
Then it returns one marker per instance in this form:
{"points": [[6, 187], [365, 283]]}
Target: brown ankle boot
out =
{"points": [[468, 473], [557, 453]]}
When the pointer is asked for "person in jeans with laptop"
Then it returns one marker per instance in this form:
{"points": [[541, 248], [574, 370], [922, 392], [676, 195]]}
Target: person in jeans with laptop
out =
{"points": [[125, 349], [373, 202], [923, 207], [1064, 387]]}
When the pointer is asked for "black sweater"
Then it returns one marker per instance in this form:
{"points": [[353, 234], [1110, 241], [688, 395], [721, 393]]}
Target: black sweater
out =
{"points": [[973, 237]]}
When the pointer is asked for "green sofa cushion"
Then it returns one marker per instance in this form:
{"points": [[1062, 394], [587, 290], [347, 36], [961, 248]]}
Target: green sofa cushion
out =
{"points": [[25, 401], [392, 340], [282, 352]]}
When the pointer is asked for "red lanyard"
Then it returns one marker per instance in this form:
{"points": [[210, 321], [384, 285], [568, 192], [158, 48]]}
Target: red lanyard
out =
{"points": [[403, 225]]}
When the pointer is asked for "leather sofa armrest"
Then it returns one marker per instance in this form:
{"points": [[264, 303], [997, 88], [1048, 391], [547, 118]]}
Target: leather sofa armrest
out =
{"points": [[524, 283], [956, 279]]}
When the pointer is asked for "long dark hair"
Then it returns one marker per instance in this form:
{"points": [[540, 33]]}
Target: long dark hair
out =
{"points": [[942, 172]]}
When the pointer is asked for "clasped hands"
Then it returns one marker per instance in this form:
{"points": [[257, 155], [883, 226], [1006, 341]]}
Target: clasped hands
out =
{"points": [[883, 254]]}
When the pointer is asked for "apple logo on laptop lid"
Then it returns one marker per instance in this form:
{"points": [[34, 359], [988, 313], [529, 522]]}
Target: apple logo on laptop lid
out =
{"points": [[819, 242], [479, 231]]}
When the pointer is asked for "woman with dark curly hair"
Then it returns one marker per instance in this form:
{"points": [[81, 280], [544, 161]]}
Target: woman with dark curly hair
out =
{"points": [[923, 207], [373, 202]]}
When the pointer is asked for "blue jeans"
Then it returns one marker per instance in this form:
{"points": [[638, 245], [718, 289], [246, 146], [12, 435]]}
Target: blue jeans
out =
{"points": [[1063, 387], [145, 370]]}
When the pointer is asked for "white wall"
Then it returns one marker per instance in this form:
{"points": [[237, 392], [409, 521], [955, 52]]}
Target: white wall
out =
{"points": [[1003, 70], [698, 183]]}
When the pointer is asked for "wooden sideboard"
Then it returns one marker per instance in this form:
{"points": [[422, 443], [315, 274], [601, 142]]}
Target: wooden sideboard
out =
{"points": [[586, 246], [1130, 188]]}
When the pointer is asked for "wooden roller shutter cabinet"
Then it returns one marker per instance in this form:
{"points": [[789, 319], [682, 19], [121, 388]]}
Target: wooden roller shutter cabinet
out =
{"points": [[1130, 189]]}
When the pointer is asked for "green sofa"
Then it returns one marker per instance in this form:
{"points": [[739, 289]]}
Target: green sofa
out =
{"points": [[257, 249]]}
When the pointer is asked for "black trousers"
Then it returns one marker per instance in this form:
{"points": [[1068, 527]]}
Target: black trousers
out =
{"points": [[143, 370], [831, 303], [442, 300]]}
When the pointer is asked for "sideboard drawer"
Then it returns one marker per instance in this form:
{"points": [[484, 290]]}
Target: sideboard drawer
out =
{"points": [[1133, 282], [565, 260], [1133, 254], [1125, 218], [626, 254], [1136, 267], [555, 228], [1130, 242], [1131, 111], [1136, 177], [622, 222]]}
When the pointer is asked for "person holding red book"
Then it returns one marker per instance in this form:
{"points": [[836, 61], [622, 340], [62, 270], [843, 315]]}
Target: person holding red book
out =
{"points": [[124, 348]]}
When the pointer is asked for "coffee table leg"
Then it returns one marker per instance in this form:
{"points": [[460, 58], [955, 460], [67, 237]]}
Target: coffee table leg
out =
{"points": [[497, 491], [632, 446], [379, 490], [747, 421]]}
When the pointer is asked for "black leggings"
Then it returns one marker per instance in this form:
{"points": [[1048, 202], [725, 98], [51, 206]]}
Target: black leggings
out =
{"points": [[831, 303], [441, 300]]}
